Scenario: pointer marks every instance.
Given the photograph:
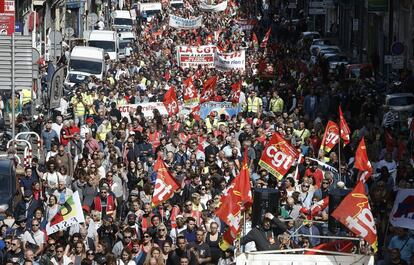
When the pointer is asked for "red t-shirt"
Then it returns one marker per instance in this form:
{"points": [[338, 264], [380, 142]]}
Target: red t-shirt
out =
{"points": [[317, 175]]}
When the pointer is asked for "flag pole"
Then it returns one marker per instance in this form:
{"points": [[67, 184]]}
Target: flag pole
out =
{"points": [[244, 230], [297, 167], [339, 148]]}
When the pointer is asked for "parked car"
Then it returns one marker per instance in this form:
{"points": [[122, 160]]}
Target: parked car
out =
{"points": [[400, 102], [317, 44], [360, 71], [308, 37], [334, 60]]}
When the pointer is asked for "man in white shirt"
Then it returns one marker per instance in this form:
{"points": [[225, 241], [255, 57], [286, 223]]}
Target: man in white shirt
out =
{"points": [[34, 239], [57, 126]]}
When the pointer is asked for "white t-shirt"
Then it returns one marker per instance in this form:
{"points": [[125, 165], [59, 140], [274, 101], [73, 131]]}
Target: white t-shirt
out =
{"points": [[36, 238]]}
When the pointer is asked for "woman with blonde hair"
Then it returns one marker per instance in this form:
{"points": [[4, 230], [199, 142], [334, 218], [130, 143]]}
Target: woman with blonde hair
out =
{"points": [[155, 257]]}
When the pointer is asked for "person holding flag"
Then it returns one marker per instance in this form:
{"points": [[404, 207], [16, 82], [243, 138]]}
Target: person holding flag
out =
{"points": [[265, 236]]}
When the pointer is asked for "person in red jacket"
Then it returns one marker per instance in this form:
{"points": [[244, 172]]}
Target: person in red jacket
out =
{"points": [[105, 203], [315, 172]]}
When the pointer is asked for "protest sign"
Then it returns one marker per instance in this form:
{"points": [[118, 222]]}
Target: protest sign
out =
{"points": [[184, 23], [193, 56], [147, 109], [230, 61], [228, 108]]}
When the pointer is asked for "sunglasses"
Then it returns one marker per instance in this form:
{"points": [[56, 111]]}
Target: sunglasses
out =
{"points": [[127, 237], [146, 236], [161, 229], [306, 186], [90, 253], [130, 142], [35, 224]]}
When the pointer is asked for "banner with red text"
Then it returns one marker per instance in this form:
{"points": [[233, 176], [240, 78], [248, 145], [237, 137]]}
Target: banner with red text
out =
{"points": [[193, 56], [278, 156], [147, 109], [230, 61]]}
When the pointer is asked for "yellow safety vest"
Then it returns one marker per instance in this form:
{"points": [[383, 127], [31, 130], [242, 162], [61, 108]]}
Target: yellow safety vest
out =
{"points": [[104, 132], [26, 96], [80, 108], [209, 125], [253, 105]]}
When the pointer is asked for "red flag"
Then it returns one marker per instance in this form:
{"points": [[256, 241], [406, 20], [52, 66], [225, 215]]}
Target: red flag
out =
{"points": [[278, 156], [319, 206], [343, 125], [361, 161], [266, 39], [165, 184], [235, 92], [238, 195], [389, 141], [190, 92], [209, 87], [196, 112], [167, 75], [355, 213], [344, 246], [330, 137], [173, 218], [171, 102], [255, 41]]}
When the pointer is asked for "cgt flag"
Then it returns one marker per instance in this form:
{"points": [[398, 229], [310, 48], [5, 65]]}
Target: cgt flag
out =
{"points": [[355, 213], [235, 92], [402, 214], [330, 137], [362, 163], [235, 198], [266, 39], [345, 131], [278, 156], [209, 87], [165, 184], [190, 92], [171, 102], [70, 213]]}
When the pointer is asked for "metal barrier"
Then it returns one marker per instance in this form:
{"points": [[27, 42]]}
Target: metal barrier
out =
{"points": [[31, 133], [27, 154]]}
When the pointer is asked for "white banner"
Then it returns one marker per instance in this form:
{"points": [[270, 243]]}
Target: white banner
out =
{"points": [[213, 8], [260, 258], [229, 61], [193, 56], [70, 213], [402, 214], [147, 109], [184, 23]]}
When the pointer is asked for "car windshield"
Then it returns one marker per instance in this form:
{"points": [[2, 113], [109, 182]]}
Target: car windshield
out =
{"points": [[123, 21], [177, 5], [90, 67], [151, 13], [123, 44], [108, 46], [401, 101]]}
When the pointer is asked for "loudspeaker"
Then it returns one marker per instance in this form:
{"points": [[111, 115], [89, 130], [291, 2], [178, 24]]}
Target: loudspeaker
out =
{"points": [[264, 201], [335, 198]]}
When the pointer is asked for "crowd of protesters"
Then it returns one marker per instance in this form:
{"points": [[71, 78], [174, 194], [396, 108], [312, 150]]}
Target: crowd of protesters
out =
{"points": [[109, 159]]}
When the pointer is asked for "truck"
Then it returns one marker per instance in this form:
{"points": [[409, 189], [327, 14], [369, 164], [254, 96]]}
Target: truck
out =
{"points": [[149, 10], [106, 40], [122, 21], [124, 39], [84, 62]]}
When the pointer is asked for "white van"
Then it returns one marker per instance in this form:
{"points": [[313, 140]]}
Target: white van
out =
{"points": [[124, 39], [122, 20], [177, 4], [150, 9], [107, 40], [84, 62]]}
